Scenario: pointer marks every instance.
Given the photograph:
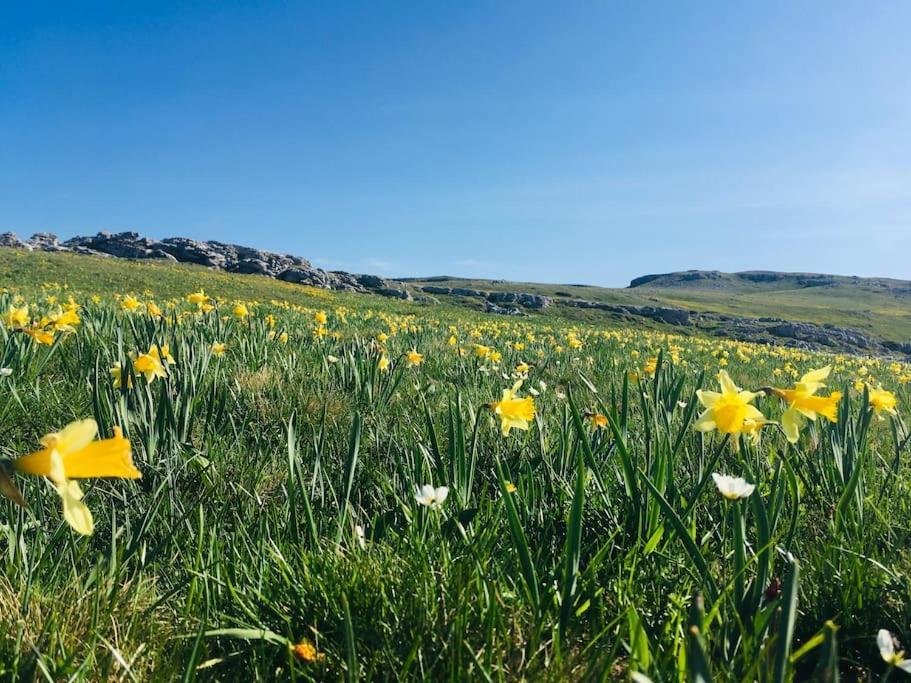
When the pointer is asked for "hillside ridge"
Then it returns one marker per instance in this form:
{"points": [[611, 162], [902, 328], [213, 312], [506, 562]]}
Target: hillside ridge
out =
{"points": [[840, 313], [714, 279]]}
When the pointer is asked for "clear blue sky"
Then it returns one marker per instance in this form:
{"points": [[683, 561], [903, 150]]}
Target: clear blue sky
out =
{"points": [[560, 141]]}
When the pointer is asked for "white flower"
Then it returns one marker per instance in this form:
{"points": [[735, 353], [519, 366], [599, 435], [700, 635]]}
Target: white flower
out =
{"points": [[886, 645], [732, 488], [431, 497]]}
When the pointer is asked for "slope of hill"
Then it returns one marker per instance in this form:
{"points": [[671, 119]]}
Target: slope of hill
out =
{"points": [[852, 314], [878, 307]]}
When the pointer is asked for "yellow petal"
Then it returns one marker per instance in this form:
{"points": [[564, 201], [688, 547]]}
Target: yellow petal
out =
{"points": [[74, 437], [816, 376], [705, 423], [75, 512], [790, 424], [727, 384], [708, 398]]}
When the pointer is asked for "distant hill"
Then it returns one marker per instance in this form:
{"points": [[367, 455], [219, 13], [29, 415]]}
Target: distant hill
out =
{"points": [[755, 280]]}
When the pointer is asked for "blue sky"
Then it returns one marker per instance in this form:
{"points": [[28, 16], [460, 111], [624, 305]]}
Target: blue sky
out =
{"points": [[559, 142]]}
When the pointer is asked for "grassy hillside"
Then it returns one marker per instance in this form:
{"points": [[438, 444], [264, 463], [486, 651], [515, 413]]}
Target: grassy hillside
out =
{"points": [[295, 484], [881, 311], [884, 312]]}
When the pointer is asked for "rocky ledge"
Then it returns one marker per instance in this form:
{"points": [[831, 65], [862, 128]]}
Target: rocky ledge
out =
{"points": [[231, 258]]}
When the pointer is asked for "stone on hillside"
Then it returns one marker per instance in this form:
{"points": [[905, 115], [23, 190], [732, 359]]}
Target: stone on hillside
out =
{"points": [[11, 241]]}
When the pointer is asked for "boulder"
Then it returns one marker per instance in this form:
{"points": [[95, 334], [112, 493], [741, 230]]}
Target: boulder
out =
{"points": [[464, 291], [11, 241], [536, 301], [394, 293], [46, 241], [371, 281]]}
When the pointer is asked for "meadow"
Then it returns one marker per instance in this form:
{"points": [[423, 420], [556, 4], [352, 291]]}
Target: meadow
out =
{"points": [[213, 477]]}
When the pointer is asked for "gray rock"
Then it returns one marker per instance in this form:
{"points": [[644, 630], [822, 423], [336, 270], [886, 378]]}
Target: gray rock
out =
{"points": [[9, 240], [251, 266], [304, 276], [46, 241], [463, 291], [490, 307], [371, 281], [187, 250], [535, 301], [394, 293], [434, 289]]}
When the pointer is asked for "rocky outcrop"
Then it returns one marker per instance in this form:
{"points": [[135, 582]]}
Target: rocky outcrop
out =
{"points": [[491, 307], [671, 316], [231, 258], [535, 301], [10, 241]]}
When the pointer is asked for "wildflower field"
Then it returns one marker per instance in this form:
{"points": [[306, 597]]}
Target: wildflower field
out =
{"points": [[322, 486]]}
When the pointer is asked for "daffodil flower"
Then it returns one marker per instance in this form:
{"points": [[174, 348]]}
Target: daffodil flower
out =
{"points": [[514, 412], [803, 403], [886, 644], [431, 497], [882, 401], [598, 421], [149, 366], [729, 410], [732, 488], [72, 453], [414, 359]]}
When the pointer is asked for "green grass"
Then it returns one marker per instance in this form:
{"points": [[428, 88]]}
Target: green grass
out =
{"points": [[277, 498]]}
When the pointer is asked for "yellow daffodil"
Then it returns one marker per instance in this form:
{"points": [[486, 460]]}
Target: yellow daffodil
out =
{"points": [[598, 421], [803, 403], [383, 363], [729, 410], [305, 651], [16, 317], [73, 453], [129, 303], [40, 335], [320, 317], [162, 353], [514, 412], [218, 348], [482, 351], [198, 298], [414, 358], [117, 374], [241, 311], [882, 401], [150, 366], [651, 366]]}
